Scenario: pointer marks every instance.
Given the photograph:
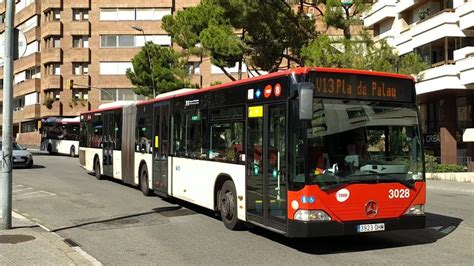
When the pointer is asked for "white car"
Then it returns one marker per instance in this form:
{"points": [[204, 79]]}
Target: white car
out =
{"points": [[21, 157]]}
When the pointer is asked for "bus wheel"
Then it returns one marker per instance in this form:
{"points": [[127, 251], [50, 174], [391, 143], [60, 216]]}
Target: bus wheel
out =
{"points": [[144, 182], [228, 206], [50, 148], [72, 151], [97, 170]]}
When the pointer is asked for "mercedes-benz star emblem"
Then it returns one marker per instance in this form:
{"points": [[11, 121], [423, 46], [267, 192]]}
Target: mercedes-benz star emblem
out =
{"points": [[371, 208]]}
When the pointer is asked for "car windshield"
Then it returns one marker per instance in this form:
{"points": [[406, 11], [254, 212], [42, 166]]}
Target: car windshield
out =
{"points": [[362, 142], [15, 146]]}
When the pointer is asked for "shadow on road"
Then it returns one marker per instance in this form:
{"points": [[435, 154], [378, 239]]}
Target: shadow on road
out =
{"points": [[35, 166], [438, 226], [165, 211]]}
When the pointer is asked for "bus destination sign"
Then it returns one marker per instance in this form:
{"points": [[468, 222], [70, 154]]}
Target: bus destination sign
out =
{"points": [[363, 87]]}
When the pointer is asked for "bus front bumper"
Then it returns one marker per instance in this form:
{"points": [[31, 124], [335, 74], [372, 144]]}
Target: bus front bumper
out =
{"points": [[316, 229]]}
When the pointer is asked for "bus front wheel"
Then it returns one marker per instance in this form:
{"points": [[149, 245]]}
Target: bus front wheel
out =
{"points": [[228, 206], [144, 182]]}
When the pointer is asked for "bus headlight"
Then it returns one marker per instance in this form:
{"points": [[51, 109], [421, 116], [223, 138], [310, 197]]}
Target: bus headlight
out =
{"points": [[311, 215], [416, 210]]}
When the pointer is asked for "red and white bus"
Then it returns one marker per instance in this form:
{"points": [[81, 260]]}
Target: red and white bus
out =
{"points": [[60, 135], [304, 152]]}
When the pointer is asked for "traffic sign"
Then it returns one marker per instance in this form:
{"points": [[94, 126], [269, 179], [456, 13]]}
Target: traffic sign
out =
{"points": [[19, 39]]}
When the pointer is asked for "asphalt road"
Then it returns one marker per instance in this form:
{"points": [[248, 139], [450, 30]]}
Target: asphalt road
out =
{"points": [[116, 224]]}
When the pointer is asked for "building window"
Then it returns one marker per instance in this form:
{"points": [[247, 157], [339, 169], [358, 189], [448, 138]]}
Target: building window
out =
{"points": [[53, 94], [193, 68], [80, 68], [130, 14], [53, 14], [107, 95], [53, 69], [53, 42], [80, 14], [80, 41], [127, 41], [114, 68], [29, 126], [80, 94]]}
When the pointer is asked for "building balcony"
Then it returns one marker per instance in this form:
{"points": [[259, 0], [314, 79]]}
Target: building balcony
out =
{"points": [[51, 55], [27, 12], [387, 36], [466, 70], [78, 55], [52, 82], [75, 108], [80, 4], [443, 77], [27, 112], [55, 110], [403, 42], [52, 28], [27, 62], [381, 10], [80, 28], [27, 86], [81, 81], [466, 15], [50, 4], [440, 25], [33, 34]]}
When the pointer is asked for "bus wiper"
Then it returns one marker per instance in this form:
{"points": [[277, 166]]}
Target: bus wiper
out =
{"points": [[353, 181], [408, 183]]}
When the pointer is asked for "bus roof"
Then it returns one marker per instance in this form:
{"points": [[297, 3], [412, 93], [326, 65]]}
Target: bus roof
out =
{"points": [[296, 71], [60, 120]]}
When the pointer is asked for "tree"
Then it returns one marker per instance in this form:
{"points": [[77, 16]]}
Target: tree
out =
{"points": [[362, 53], [266, 31], [167, 66]]}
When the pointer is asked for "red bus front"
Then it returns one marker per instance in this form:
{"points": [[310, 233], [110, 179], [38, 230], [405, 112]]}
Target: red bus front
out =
{"points": [[357, 164]]}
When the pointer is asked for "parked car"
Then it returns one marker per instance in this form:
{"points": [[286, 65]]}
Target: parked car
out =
{"points": [[21, 157]]}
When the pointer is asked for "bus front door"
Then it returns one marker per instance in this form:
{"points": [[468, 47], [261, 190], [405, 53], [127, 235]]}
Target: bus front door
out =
{"points": [[266, 166], [161, 122]]}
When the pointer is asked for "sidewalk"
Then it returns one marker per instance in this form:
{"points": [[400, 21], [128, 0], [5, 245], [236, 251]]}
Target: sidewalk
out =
{"points": [[28, 243]]}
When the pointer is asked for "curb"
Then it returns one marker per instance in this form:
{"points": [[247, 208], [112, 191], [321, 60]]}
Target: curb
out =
{"points": [[78, 250]]}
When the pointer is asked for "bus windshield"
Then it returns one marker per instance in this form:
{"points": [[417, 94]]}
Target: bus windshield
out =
{"points": [[352, 141]]}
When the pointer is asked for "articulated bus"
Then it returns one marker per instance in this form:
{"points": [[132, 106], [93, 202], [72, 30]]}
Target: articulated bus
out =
{"points": [[60, 135], [304, 152]]}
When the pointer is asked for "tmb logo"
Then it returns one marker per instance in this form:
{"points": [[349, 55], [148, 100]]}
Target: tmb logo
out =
{"points": [[342, 195]]}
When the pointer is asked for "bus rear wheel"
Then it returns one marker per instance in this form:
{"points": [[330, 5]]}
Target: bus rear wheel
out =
{"points": [[228, 206], [72, 151], [144, 182], [50, 148], [97, 170]]}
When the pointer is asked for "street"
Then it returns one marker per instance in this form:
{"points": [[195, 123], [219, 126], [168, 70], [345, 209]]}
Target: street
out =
{"points": [[116, 224]]}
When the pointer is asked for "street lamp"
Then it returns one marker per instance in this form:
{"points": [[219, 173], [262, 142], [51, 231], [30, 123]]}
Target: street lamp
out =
{"points": [[149, 58]]}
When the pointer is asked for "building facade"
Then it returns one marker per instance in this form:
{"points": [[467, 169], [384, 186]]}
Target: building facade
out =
{"points": [[91, 43], [442, 32]]}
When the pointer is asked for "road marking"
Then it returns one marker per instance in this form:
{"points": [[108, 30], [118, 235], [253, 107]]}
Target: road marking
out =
{"points": [[19, 190], [34, 195]]}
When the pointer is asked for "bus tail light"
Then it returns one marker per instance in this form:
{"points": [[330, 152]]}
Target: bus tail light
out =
{"points": [[416, 210], [311, 215]]}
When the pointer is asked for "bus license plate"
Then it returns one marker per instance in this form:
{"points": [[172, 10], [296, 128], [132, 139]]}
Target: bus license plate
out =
{"points": [[362, 228]]}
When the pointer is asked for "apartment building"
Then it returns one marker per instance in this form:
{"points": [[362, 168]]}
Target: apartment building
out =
{"points": [[90, 42], [442, 32]]}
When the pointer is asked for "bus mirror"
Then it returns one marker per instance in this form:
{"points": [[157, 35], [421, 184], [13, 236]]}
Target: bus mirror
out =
{"points": [[305, 98]]}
